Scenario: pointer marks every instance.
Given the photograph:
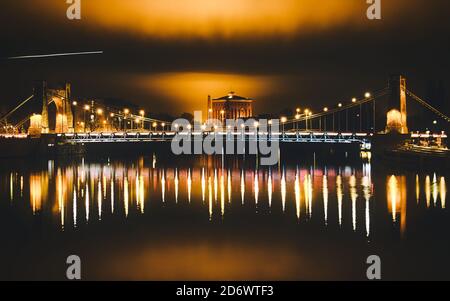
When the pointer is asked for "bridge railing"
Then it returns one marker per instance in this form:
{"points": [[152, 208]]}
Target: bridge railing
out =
{"points": [[300, 137]]}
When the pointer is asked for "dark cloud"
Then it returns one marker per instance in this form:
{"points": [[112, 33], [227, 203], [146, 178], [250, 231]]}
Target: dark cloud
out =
{"points": [[314, 66]]}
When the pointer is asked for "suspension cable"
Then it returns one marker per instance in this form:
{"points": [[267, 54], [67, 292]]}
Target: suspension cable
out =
{"points": [[16, 108], [428, 106], [376, 95]]}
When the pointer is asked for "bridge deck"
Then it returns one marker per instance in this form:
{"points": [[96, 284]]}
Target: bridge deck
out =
{"points": [[293, 137]]}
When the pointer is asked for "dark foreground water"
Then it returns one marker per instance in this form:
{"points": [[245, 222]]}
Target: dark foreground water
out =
{"points": [[143, 218]]}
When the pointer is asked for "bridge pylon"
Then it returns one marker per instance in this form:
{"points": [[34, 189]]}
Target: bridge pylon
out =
{"points": [[396, 118], [61, 97]]}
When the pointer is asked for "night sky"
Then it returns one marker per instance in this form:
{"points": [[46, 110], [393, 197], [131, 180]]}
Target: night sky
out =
{"points": [[168, 55]]}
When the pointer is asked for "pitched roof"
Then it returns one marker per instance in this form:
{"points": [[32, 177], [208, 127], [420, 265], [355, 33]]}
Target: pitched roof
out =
{"points": [[232, 96]]}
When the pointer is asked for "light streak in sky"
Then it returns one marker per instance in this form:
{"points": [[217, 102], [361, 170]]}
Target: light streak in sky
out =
{"points": [[54, 55]]}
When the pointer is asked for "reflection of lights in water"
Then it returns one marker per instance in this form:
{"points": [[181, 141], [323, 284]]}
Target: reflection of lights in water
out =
{"points": [[442, 191], [99, 200], [154, 161], [74, 206], [83, 171], [307, 185], [256, 187], [393, 196], [60, 197], [112, 195], [297, 193], [141, 193], [215, 185], [222, 194], [229, 185], [104, 186], [210, 198], [163, 187], [125, 195], [242, 188], [21, 186], [121, 177], [417, 189], [353, 197], [189, 185], [269, 188], [11, 187], [176, 186], [283, 191], [367, 218], [86, 203], [203, 185], [435, 190], [396, 197], [340, 195], [428, 190], [366, 190], [325, 198], [38, 190]]}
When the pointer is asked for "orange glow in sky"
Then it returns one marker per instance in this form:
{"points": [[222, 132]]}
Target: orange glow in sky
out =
{"points": [[189, 90], [219, 18]]}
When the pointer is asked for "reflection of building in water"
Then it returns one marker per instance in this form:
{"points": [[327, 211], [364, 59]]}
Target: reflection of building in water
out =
{"points": [[396, 198], [231, 106]]}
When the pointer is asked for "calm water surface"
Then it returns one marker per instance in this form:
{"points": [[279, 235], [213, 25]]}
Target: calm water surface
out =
{"points": [[143, 218]]}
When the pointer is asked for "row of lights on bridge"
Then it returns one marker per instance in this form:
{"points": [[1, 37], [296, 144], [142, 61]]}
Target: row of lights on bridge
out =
{"points": [[309, 113], [126, 112]]}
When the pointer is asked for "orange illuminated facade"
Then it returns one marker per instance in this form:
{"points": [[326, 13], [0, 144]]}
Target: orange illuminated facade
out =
{"points": [[231, 106]]}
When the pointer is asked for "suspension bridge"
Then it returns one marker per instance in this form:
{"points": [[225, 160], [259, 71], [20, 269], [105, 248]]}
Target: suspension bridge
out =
{"points": [[359, 121]]}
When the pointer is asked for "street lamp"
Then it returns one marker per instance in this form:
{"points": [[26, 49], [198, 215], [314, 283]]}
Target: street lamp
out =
{"points": [[283, 121], [142, 114], [86, 109], [325, 118], [367, 95], [306, 119]]}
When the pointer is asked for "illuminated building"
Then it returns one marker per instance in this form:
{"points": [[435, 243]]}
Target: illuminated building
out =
{"points": [[231, 106]]}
